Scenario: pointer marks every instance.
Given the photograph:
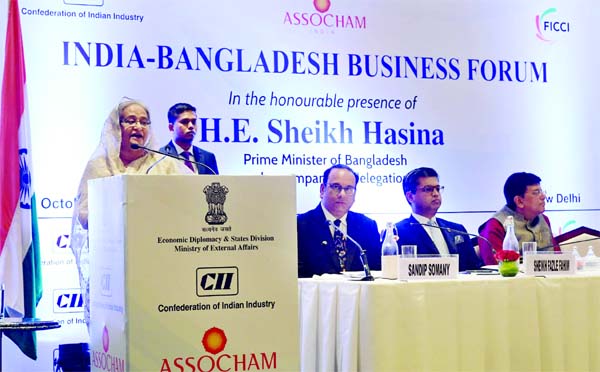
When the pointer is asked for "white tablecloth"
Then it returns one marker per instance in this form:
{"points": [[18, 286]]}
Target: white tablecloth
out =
{"points": [[475, 323]]}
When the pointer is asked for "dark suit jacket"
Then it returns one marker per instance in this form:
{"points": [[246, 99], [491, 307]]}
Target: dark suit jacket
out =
{"points": [[316, 252], [457, 243], [200, 156]]}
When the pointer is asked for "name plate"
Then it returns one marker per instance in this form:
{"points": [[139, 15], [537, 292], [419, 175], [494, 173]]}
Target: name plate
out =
{"points": [[428, 268], [549, 264]]}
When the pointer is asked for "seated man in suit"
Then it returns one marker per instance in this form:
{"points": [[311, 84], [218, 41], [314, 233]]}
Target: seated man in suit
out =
{"points": [[430, 234], [525, 202], [182, 122], [324, 250]]}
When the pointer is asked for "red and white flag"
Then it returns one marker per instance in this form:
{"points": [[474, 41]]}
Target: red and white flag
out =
{"points": [[20, 270]]}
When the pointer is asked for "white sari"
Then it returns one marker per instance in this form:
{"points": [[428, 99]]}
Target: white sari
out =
{"points": [[106, 162]]}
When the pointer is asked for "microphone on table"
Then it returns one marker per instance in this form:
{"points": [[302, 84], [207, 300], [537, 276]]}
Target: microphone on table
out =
{"points": [[363, 253], [451, 230], [135, 146]]}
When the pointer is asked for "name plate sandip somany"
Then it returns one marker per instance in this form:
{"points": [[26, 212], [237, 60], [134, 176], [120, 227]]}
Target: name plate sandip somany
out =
{"points": [[428, 268], [550, 264]]}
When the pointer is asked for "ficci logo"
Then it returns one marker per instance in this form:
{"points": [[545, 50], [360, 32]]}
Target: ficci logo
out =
{"points": [[214, 340], [546, 25], [322, 5]]}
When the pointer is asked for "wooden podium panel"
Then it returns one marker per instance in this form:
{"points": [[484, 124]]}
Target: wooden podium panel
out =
{"points": [[193, 273], [582, 238]]}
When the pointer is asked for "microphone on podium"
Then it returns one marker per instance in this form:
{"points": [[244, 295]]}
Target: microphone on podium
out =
{"points": [[135, 146], [449, 229], [363, 254]]}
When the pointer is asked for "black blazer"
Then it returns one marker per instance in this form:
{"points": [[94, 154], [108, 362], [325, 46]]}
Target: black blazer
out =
{"points": [[410, 232], [316, 252], [200, 156]]}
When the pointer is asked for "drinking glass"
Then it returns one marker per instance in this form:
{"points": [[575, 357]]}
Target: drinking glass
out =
{"points": [[409, 251], [529, 248]]}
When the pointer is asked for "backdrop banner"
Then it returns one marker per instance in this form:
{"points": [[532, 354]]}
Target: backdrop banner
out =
{"points": [[473, 89]]}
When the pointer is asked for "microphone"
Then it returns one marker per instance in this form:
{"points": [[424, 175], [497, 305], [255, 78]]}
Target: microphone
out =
{"points": [[363, 253], [448, 229], [135, 146], [154, 164]]}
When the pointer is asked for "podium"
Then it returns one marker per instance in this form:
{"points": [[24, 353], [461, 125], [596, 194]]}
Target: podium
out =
{"points": [[580, 238], [193, 273]]}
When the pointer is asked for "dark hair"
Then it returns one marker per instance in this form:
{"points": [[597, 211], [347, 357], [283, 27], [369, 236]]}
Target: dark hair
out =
{"points": [[516, 184], [411, 180], [339, 166], [177, 109]]}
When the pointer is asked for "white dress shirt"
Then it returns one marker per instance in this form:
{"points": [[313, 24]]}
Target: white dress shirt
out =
{"points": [[434, 233], [180, 151]]}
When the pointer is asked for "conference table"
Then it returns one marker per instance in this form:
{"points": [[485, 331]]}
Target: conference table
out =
{"points": [[473, 323]]}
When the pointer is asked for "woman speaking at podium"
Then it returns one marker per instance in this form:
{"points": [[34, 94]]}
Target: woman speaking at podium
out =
{"points": [[126, 132]]}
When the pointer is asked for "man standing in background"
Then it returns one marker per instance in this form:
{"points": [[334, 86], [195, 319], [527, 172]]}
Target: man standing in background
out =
{"points": [[182, 122]]}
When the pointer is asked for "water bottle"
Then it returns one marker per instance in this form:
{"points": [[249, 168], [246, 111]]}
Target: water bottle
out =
{"points": [[591, 262], [578, 259], [510, 242], [389, 247], [389, 253]]}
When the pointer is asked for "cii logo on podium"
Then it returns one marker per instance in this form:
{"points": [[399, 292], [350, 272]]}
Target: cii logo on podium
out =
{"points": [[217, 281]]}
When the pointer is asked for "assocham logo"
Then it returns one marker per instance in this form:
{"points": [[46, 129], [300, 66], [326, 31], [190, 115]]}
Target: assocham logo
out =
{"points": [[103, 360], [214, 341], [321, 19], [548, 26]]}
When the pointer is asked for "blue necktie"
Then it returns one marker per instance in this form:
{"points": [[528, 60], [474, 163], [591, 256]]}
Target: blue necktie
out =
{"points": [[339, 244], [188, 163]]}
